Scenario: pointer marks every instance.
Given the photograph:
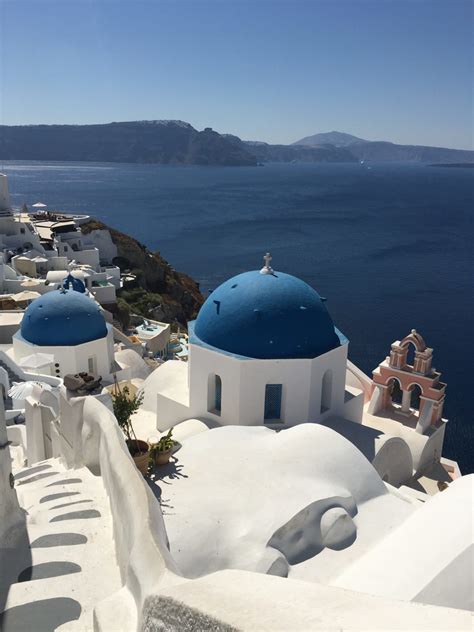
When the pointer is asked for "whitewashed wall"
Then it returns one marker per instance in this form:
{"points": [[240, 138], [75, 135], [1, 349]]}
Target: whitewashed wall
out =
{"points": [[244, 381], [102, 240], [10, 512], [141, 543], [72, 359]]}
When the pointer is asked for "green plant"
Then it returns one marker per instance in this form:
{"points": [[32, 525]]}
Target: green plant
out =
{"points": [[123, 313], [163, 445], [125, 405]]}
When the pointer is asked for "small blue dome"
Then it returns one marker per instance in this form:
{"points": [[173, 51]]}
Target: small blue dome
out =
{"points": [[266, 316], [76, 284], [63, 318]]}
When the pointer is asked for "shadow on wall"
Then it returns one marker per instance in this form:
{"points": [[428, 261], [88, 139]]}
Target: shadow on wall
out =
{"points": [[15, 555], [41, 616], [324, 523]]}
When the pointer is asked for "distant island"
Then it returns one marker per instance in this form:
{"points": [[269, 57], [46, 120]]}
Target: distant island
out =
{"points": [[178, 143], [459, 165], [383, 151]]}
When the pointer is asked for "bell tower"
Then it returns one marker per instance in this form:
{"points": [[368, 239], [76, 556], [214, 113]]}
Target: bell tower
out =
{"points": [[395, 371]]}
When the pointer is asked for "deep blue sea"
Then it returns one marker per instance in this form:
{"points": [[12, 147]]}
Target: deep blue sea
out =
{"points": [[389, 245]]}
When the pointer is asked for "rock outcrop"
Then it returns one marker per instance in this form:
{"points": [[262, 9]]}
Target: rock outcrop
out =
{"points": [[159, 291]]}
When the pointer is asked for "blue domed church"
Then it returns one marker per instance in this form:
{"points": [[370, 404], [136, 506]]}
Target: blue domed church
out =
{"points": [[263, 350], [69, 326]]}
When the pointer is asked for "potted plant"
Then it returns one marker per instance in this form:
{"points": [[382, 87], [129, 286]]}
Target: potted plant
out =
{"points": [[160, 452], [125, 405]]}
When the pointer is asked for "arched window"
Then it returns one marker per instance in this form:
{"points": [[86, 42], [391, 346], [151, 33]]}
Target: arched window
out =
{"points": [[415, 394], [326, 391], [410, 357], [214, 394], [395, 390], [273, 393]]}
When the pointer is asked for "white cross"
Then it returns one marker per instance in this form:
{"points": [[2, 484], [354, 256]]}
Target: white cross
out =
{"points": [[267, 268]]}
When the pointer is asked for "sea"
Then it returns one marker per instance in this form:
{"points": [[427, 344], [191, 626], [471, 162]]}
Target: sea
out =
{"points": [[389, 245]]}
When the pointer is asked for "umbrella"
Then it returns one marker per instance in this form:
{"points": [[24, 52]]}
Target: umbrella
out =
{"points": [[22, 390], [36, 360], [39, 205], [26, 295], [29, 283]]}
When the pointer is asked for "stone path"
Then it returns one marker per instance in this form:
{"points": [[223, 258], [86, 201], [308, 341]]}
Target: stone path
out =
{"points": [[65, 563]]}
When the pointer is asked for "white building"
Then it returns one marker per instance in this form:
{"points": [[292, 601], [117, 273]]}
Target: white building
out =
{"points": [[154, 336], [37, 246], [15, 236]]}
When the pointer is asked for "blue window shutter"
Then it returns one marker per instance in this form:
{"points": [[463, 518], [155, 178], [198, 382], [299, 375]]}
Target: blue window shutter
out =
{"points": [[218, 387], [273, 393]]}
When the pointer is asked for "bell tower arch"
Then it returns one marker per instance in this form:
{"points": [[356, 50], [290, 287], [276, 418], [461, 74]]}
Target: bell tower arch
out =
{"points": [[418, 378]]}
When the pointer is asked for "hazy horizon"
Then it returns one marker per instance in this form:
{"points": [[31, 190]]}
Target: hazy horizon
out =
{"points": [[273, 71]]}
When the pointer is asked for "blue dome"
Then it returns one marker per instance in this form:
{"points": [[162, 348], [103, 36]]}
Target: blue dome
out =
{"points": [[266, 316], [76, 284], [63, 318]]}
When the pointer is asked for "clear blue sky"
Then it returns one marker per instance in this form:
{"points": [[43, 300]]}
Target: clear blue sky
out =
{"points": [[272, 70]]}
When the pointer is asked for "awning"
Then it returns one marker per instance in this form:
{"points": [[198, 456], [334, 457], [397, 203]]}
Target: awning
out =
{"points": [[29, 283], [26, 295]]}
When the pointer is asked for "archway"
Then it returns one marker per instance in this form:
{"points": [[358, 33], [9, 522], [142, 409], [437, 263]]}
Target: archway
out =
{"points": [[415, 394], [326, 391], [214, 394], [395, 390], [410, 354]]}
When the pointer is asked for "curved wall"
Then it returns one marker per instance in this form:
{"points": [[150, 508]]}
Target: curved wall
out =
{"points": [[140, 537]]}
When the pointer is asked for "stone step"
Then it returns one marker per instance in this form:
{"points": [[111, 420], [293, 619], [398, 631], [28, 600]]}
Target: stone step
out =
{"points": [[65, 567]]}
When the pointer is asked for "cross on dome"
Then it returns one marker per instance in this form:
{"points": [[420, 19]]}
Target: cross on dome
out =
{"points": [[267, 269]]}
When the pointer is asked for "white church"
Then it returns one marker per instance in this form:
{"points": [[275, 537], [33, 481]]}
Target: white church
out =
{"points": [[68, 326], [264, 351]]}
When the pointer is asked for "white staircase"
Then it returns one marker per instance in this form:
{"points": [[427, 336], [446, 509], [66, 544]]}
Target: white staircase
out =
{"points": [[69, 564]]}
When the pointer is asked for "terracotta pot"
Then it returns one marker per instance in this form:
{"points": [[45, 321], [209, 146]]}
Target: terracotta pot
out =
{"points": [[162, 458], [141, 458]]}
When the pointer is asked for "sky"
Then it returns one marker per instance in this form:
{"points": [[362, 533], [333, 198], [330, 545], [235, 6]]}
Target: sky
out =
{"points": [[270, 70]]}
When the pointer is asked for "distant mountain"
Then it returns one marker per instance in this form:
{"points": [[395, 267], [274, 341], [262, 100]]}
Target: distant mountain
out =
{"points": [[164, 142], [298, 153], [384, 151], [177, 142], [338, 139], [381, 151], [265, 152]]}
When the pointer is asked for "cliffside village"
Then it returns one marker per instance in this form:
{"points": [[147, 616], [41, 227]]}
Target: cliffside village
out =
{"points": [[244, 474]]}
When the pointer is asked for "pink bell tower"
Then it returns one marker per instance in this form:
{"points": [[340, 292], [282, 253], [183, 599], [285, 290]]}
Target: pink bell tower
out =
{"points": [[421, 374]]}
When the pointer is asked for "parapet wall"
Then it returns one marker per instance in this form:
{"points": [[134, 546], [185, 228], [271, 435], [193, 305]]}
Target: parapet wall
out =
{"points": [[139, 531], [12, 517], [10, 512], [27, 376]]}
